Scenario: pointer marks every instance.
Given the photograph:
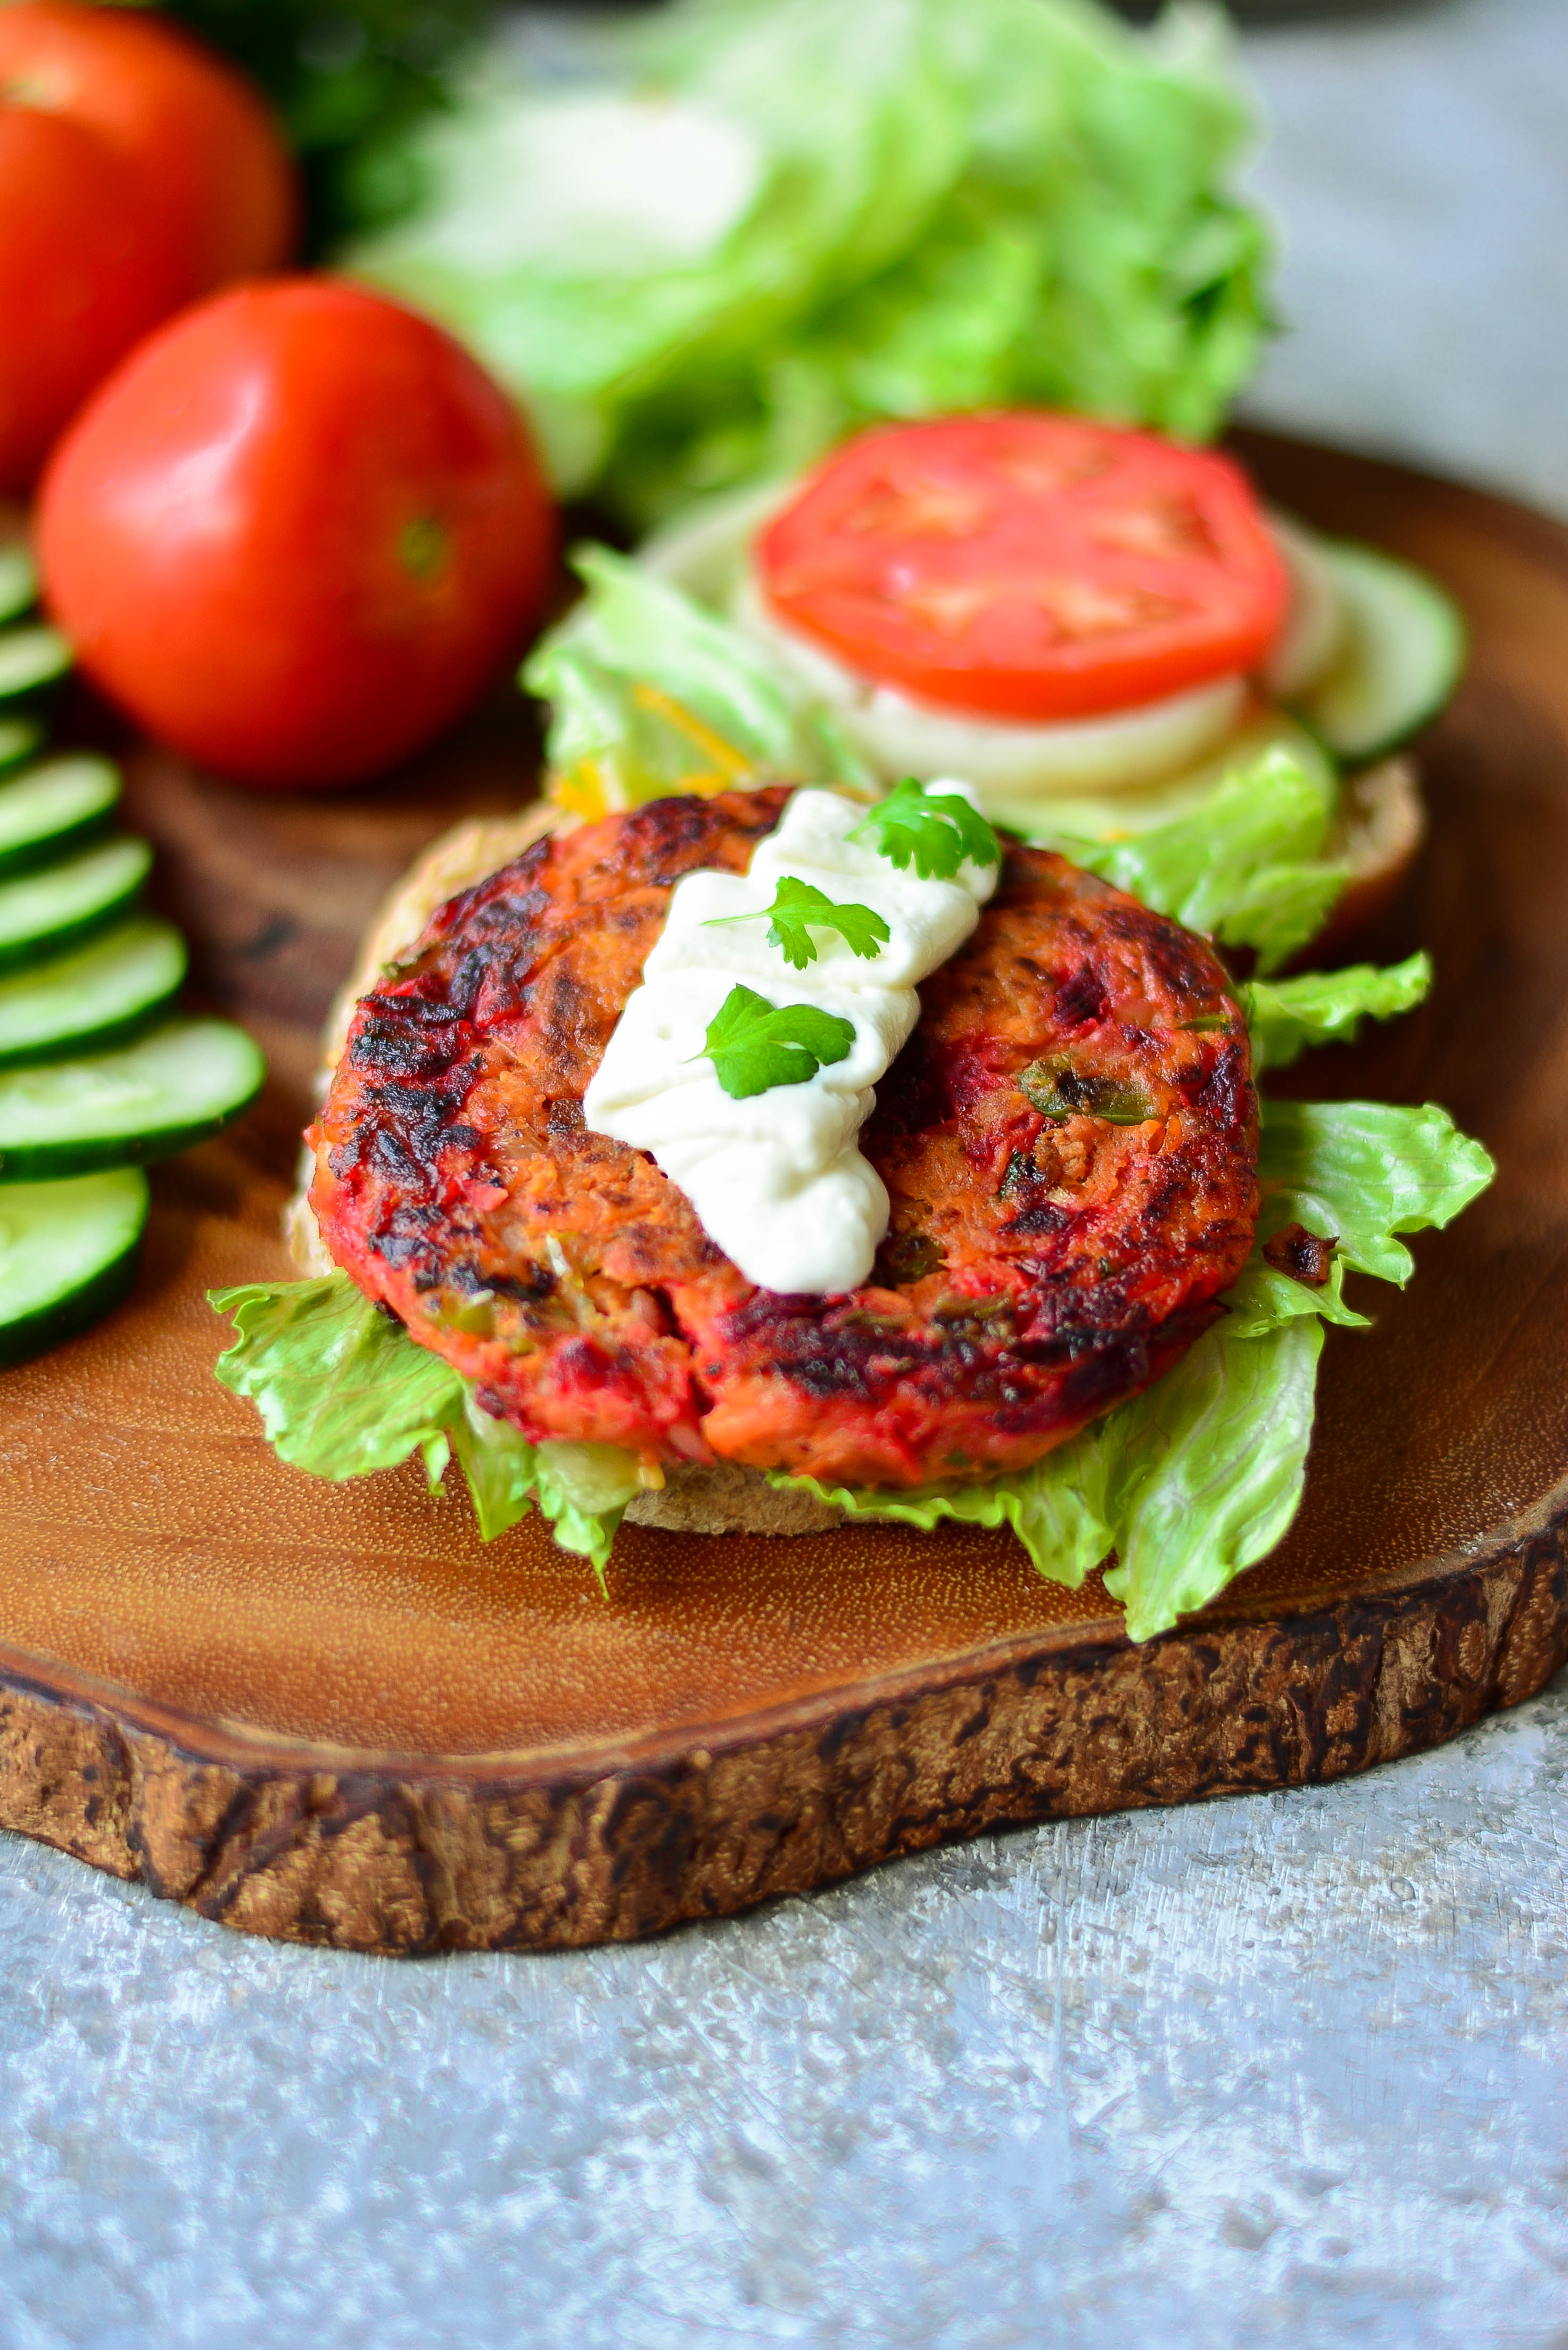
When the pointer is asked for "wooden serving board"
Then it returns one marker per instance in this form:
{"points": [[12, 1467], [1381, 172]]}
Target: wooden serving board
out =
{"points": [[333, 1715]]}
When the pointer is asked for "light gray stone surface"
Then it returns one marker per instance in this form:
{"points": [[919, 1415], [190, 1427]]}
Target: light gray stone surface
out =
{"points": [[1418, 167], [1287, 2071], [1282, 2072]]}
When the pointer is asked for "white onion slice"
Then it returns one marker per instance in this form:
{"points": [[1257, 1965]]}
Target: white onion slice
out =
{"points": [[904, 737], [706, 555]]}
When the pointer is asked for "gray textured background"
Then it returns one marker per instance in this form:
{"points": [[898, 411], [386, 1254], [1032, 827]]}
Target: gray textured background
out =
{"points": [[1288, 2071], [1285, 2071], [1418, 167]]}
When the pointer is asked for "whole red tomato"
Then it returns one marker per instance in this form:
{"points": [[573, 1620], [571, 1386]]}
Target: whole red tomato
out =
{"points": [[84, 273], [203, 146], [136, 172], [296, 533]]}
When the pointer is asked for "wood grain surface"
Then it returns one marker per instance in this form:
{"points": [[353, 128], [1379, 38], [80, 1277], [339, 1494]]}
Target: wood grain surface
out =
{"points": [[331, 1714]]}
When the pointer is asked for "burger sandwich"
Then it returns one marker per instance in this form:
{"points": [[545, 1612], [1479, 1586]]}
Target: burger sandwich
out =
{"points": [[762, 1154]]}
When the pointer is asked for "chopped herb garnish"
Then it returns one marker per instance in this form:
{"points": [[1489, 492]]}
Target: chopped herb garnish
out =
{"points": [[910, 1257], [798, 908], [754, 1044], [990, 1316], [1058, 1091], [935, 831]]}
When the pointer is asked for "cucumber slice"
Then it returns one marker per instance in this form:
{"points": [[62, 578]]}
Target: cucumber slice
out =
{"points": [[19, 738], [67, 1252], [94, 997], [44, 913], [18, 581], [121, 1108], [54, 807], [31, 657], [1403, 649]]}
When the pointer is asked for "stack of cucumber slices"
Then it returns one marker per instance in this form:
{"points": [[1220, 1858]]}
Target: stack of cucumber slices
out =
{"points": [[98, 1074]]}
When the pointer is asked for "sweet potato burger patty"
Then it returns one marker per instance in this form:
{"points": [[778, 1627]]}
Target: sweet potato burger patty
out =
{"points": [[1069, 1141]]}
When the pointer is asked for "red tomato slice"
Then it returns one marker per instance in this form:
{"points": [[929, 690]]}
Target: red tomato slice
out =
{"points": [[1028, 565]]}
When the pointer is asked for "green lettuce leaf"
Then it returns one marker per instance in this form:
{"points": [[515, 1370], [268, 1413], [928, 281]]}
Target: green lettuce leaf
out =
{"points": [[705, 247], [1208, 1470], [343, 1390], [1199, 1478], [1327, 1007], [1363, 1171], [1239, 858], [650, 694]]}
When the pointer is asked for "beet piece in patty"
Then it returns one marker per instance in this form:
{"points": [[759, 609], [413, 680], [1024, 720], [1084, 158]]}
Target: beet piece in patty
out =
{"points": [[1068, 1140]]}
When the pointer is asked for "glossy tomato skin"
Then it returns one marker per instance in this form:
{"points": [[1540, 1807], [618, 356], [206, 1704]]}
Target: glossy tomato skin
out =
{"points": [[1026, 566], [84, 273], [296, 533], [209, 157]]}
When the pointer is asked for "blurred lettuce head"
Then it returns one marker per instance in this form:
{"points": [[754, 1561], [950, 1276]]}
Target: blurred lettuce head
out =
{"points": [[703, 246]]}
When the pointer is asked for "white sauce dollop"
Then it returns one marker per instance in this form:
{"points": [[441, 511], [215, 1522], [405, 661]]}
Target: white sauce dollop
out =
{"points": [[778, 1179]]}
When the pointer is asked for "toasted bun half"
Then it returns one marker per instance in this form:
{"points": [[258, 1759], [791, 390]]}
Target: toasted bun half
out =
{"points": [[1381, 824], [729, 1500]]}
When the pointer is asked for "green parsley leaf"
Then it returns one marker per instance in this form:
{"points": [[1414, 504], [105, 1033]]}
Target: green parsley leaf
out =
{"points": [[754, 1044], [937, 830], [798, 909]]}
